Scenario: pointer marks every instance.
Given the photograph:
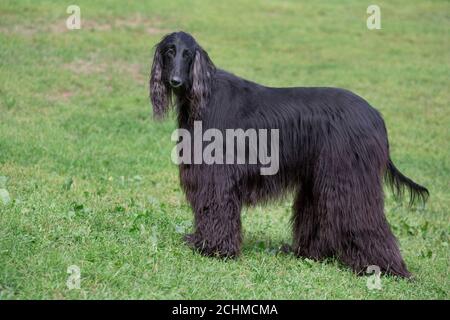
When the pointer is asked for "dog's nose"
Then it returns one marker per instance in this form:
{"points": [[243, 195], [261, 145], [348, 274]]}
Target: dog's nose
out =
{"points": [[175, 81]]}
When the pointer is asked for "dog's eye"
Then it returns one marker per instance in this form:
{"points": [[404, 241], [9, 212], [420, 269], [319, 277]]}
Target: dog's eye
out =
{"points": [[170, 52], [186, 54]]}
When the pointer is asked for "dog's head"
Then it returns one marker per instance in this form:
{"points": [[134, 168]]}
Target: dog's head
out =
{"points": [[180, 66]]}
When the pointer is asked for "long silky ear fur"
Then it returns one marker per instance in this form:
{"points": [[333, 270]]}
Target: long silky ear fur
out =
{"points": [[160, 93], [201, 75]]}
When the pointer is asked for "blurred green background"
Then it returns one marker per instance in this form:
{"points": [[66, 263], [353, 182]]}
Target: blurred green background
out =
{"points": [[85, 173]]}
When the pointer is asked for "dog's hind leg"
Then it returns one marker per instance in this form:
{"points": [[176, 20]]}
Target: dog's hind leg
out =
{"points": [[351, 220], [365, 236], [305, 226]]}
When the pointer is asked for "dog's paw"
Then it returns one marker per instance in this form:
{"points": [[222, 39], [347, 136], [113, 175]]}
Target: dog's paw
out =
{"points": [[202, 246], [189, 239], [286, 248]]}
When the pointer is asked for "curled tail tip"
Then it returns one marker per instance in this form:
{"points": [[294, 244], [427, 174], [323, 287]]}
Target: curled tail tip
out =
{"points": [[398, 182], [420, 194]]}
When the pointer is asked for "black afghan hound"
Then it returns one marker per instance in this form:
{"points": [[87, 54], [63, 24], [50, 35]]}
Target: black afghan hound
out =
{"points": [[333, 153]]}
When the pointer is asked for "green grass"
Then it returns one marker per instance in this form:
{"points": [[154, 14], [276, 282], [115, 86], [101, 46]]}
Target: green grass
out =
{"points": [[89, 172]]}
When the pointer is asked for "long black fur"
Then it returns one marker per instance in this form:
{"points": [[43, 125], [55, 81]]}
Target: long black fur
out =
{"points": [[333, 155]]}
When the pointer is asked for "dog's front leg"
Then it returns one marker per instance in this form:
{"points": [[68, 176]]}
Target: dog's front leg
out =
{"points": [[217, 223]]}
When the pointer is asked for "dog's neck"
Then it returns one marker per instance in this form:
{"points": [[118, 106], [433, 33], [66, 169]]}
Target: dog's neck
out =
{"points": [[184, 109], [188, 108]]}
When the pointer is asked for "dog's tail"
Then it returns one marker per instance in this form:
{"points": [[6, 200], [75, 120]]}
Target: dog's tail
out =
{"points": [[398, 181]]}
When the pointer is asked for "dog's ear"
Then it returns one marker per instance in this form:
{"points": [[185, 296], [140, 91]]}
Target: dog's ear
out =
{"points": [[201, 74], [160, 93]]}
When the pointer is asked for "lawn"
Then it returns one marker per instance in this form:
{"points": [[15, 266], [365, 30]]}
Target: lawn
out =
{"points": [[86, 175]]}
